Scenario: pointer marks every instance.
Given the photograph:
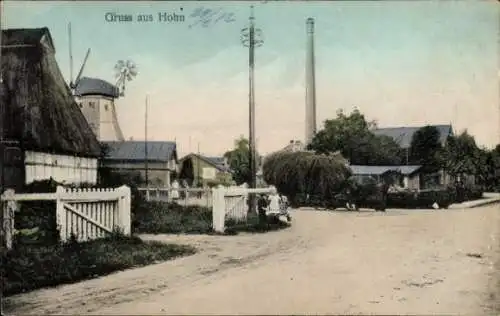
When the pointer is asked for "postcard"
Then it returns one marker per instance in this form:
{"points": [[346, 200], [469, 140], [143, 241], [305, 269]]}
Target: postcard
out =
{"points": [[251, 157]]}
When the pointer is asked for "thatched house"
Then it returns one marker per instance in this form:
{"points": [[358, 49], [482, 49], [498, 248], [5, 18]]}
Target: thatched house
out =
{"points": [[39, 113]]}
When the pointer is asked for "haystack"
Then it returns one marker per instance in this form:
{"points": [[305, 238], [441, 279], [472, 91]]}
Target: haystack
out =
{"points": [[306, 172], [39, 110]]}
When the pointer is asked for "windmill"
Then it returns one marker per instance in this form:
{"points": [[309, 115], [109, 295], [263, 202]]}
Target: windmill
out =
{"points": [[74, 84], [96, 98], [124, 71]]}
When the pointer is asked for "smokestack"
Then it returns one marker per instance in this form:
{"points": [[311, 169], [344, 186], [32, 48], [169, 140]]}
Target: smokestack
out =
{"points": [[310, 83]]}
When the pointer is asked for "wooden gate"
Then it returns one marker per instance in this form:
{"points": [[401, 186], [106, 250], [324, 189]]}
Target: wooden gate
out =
{"points": [[85, 213]]}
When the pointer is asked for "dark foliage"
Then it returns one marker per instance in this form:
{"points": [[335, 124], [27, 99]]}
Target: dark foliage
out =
{"points": [[426, 148], [31, 267], [239, 160], [351, 135], [421, 199]]}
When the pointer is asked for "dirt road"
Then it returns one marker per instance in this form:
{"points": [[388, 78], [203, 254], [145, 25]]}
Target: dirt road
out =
{"points": [[399, 262]]}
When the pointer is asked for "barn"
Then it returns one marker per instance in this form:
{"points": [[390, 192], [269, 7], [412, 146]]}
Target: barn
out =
{"points": [[157, 159], [43, 131]]}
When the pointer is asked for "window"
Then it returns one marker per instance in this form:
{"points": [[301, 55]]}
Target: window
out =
{"points": [[92, 105], [105, 107], [80, 104]]}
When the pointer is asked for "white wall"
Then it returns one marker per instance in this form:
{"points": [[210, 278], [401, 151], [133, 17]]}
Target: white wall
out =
{"points": [[68, 169]]}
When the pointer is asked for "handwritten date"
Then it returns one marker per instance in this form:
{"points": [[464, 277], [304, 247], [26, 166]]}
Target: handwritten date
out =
{"points": [[205, 17]]}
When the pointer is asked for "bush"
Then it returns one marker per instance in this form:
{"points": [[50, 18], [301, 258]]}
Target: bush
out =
{"points": [[31, 267], [421, 199], [170, 218]]}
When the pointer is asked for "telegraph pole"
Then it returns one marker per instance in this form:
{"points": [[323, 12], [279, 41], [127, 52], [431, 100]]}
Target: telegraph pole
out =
{"points": [[146, 162], [2, 111], [251, 38]]}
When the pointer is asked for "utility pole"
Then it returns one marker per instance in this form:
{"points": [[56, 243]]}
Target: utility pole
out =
{"points": [[2, 111], [251, 38], [146, 162]]}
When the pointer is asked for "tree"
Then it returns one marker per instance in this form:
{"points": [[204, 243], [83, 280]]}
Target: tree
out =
{"points": [[425, 148], [492, 179], [351, 135], [461, 155], [239, 160]]}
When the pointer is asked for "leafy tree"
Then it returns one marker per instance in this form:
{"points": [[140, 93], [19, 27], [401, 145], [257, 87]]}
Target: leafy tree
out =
{"points": [[239, 160], [426, 148], [492, 179], [351, 135], [461, 155]]}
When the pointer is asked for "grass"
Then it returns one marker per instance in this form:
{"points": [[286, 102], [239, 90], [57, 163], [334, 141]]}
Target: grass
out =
{"points": [[28, 267], [171, 218]]}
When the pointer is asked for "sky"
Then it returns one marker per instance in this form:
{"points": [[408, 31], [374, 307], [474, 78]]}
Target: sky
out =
{"points": [[400, 63]]}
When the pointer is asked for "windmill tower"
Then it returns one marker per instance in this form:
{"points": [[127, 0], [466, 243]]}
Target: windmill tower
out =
{"points": [[96, 98]]}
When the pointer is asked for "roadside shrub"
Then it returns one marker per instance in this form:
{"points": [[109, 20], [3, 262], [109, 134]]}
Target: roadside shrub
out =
{"points": [[467, 192], [171, 218], [421, 199]]}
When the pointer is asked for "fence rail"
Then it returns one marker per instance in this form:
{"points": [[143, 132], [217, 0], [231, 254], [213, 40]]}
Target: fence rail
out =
{"points": [[185, 196], [85, 213]]}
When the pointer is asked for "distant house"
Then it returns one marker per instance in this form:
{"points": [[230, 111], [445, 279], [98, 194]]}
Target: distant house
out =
{"points": [[47, 133], [409, 175], [131, 156], [403, 136], [197, 169]]}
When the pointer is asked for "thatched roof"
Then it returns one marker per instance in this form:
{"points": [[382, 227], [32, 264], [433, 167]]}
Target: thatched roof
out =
{"points": [[40, 111]]}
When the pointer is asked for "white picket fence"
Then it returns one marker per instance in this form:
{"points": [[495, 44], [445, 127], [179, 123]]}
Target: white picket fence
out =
{"points": [[85, 213], [187, 196]]}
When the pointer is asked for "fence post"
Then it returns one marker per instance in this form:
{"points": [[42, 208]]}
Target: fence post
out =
{"points": [[125, 210], [8, 209], [61, 214], [218, 208]]}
